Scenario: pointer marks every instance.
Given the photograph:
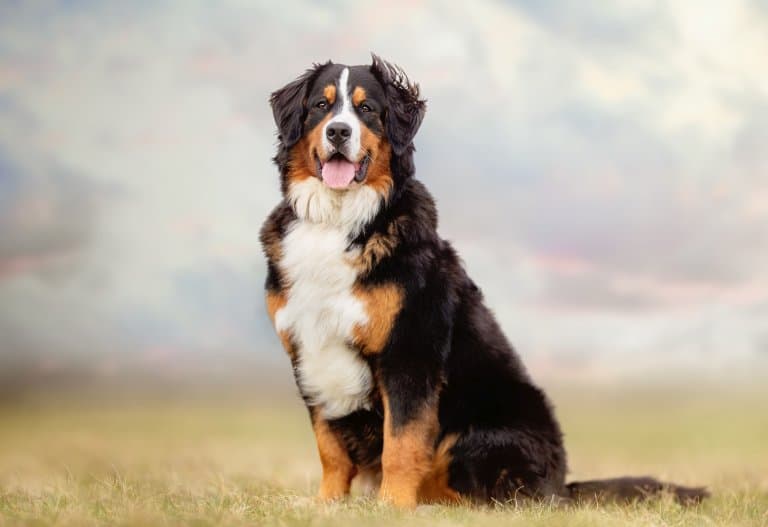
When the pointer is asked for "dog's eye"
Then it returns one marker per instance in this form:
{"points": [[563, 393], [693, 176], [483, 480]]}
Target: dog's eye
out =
{"points": [[322, 105], [365, 108]]}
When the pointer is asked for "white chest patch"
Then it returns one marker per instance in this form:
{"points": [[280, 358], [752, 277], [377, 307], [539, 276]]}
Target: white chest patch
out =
{"points": [[321, 310]]}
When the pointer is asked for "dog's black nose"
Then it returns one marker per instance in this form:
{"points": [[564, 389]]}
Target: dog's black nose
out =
{"points": [[337, 133]]}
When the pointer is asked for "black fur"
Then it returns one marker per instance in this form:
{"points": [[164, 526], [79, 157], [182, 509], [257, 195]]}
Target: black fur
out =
{"points": [[289, 106], [446, 344], [405, 110], [445, 348]]}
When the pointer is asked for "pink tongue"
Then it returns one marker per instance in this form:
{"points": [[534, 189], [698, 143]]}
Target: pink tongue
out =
{"points": [[338, 173]]}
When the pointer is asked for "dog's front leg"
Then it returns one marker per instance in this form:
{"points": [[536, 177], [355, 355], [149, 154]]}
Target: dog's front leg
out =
{"points": [[338, 469], [411, 376], [411, 372], [410, 430]]}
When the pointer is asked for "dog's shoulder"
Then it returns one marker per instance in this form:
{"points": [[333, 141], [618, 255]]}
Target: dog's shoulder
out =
{"points": [[274, 228]]}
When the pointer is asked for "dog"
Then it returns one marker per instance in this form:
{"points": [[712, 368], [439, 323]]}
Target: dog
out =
{"points": [[407, 377]]}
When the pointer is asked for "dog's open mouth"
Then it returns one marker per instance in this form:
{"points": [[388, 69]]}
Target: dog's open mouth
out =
{"points": [[338, 172]]}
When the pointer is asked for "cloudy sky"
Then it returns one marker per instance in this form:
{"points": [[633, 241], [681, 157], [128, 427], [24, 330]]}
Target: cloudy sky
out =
{"points": [[602, 169]]}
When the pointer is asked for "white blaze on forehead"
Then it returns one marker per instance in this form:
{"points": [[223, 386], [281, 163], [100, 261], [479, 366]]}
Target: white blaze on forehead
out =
{"points": [[351, 149]]}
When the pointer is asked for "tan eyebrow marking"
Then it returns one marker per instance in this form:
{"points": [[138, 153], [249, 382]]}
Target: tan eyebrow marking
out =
{"points": [[330, 93], [358, 95]]}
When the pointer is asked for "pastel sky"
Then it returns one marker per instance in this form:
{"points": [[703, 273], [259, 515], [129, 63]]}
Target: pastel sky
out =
{"points": [[601, 167]]}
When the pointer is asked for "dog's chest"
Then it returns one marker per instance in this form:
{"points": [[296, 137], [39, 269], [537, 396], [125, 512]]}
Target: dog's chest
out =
{"points": [[320, 314]]}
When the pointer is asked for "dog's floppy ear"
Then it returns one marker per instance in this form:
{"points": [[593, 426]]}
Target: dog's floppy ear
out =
{"points": [[405, 110], [289, 105]]}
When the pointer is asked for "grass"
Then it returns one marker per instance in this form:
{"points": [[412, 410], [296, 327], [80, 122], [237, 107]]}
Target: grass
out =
{"points": [[252, 462]]}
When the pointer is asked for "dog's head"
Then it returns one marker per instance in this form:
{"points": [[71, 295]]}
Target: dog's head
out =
{"points": [[346, 128]]}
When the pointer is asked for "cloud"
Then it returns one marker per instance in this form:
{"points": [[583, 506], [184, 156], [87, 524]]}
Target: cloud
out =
{"points": [[602, 189], [619, 141], [593, 290], [46, 217], [614, 28]]}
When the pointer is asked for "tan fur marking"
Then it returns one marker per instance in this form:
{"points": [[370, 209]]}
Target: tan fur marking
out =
{"points": [[338, 469], [302, 163], [358, 95], [380, 245], [285, 340], [408, 455], [299, 167], [275, 302], [382, 304], [315, 140], [434, 488], [330, 93], [379, 176]]}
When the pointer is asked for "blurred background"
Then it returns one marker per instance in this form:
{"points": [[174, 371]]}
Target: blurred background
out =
{"points": [[601, 167]]}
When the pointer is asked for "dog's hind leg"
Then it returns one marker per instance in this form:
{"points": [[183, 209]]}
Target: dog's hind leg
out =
{"points": [[505, 464]]}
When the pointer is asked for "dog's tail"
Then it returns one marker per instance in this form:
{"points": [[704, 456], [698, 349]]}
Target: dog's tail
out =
{"points": [[631, 488]]}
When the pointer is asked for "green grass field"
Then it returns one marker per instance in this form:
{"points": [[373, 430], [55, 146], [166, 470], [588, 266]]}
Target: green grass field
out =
{"points": [[251, 461]]}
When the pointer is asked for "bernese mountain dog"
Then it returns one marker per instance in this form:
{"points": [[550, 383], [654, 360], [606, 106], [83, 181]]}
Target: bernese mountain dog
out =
{"points": [[408, 379]]}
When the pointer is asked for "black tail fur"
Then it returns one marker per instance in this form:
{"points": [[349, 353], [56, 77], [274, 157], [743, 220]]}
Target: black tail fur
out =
{"points": [[629, 489]]}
